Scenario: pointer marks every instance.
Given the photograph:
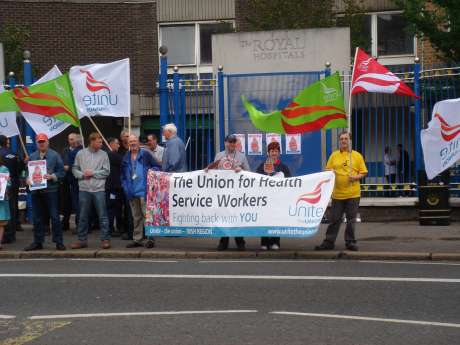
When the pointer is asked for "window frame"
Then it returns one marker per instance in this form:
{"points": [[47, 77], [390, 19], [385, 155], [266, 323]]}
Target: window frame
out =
{"points": [[197, 67]]}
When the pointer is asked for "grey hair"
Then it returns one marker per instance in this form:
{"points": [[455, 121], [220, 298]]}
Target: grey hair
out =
{"points": [[170, 127]]}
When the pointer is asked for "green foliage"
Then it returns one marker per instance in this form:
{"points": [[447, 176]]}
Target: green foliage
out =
{"points": [[355, 19], [14, 38], [435, 20], [288, 14]]}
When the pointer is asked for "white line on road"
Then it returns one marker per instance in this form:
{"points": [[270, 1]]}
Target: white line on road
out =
{"points": [[187, 312], [225, 276], [7, 317], [124, 260], [263, 261], [409, 262], [353, 317]]}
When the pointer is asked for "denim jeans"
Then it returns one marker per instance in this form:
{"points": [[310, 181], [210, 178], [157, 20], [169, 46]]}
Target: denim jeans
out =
{"points": [[46, 203], [86, 200]]}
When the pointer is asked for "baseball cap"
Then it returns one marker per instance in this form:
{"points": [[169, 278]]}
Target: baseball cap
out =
{"points": [[230, 138], [41, 137]]}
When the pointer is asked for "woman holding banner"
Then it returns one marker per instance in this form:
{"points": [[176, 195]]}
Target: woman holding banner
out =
{"points": [[272, 167]]}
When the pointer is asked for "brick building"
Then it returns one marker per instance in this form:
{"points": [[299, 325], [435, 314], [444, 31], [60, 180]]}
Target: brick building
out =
{"points": [[70, 32]]}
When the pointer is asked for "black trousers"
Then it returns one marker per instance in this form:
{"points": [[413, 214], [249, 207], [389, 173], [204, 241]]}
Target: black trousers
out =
{"points": [[338, 207], [238, 240]]}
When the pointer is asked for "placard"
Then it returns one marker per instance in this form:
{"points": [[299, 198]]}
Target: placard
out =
{"points": [[37, 172]]}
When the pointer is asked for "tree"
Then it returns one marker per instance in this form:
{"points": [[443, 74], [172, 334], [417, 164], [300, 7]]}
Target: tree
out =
{"points": [[14, 38], [435, 20], [287, 14]]}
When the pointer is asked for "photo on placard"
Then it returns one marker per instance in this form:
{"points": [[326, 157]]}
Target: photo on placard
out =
{"points": [[273, 137], [255, 144], [37, 172], [293, 144], [3, 184], [241, 142]]}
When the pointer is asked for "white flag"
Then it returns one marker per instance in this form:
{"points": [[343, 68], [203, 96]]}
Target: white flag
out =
{"points": [[102, 89], [45, 124], [8, 124], [441, 140]]}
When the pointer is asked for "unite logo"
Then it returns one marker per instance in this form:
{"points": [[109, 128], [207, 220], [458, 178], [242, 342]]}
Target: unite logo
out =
{"points": [[94, 85], [448, 132], [364, 66], [309, 213], [101, 97]]}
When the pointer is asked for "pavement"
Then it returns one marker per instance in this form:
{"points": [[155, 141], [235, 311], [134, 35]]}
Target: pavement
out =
{"points": [[55, 301], [377, 241]]}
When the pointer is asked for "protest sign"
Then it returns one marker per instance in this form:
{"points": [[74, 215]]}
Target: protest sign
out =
{"points": [[225, 203], [37, 172]]}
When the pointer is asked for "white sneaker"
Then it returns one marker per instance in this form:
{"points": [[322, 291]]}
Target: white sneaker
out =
{"points": [[275, 247], [263, 248]]}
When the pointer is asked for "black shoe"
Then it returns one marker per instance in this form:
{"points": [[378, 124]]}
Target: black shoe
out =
{"points": [[133, 244], [241, 247], [126, 237], [325, 246], [33, 246], [60, 246], [353, 247], [222, 247]]}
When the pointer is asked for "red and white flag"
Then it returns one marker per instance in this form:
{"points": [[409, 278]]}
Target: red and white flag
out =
{"points": [[370, 76]]}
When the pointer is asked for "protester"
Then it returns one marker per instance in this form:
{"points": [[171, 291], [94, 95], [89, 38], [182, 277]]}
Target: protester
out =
{"points": [[70, 183], [4, 204], [14, 166], [155, 149], [272, 167], [403, 164], [346, 193], [91, 168], [174, 157], [390, 165], [230, 159], [135, 166], [46, 200], [127, 216], [124, 145], [114, 190]]}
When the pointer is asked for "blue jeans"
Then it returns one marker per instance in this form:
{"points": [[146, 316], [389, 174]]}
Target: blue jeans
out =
{"points": [[46, 203], [86, 199]]}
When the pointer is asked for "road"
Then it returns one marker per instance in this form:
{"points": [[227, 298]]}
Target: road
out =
{"points": [[104, 301]]}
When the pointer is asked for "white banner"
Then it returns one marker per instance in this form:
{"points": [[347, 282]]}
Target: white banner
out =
{"points": [[8, 124], [225, 203], [441, 140], [45, 124], [102, 89]]}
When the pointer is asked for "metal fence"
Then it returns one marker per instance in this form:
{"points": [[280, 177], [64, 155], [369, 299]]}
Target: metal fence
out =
{"points": [[381, 124]]}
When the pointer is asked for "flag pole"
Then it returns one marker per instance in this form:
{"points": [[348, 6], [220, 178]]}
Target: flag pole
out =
{"points": [[100, 133], [129, 124], [23, 146], [350, 102], [82, 137]]}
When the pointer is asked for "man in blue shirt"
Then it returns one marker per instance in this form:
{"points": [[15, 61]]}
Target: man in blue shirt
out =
{"points": [[174, 157], [47, 199], [134, 168]]}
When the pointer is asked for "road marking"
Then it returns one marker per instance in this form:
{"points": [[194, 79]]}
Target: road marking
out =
{"points": [[157, 313], [9, 260], [264, 261], [32, 330], [124, 260], [226, 276], [353, 317], [7, 317], [409, 262]]}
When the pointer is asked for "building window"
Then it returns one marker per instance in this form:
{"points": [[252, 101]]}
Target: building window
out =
{"points": [[180, 40], [392, 36], [206, 32], [190, 44]]}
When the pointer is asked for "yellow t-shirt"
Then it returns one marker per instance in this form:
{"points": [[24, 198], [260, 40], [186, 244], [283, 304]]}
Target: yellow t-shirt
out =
{"points": [[339, 162]]}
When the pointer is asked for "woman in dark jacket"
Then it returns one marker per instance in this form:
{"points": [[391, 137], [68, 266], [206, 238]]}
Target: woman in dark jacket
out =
{"points": [[272, 167]]}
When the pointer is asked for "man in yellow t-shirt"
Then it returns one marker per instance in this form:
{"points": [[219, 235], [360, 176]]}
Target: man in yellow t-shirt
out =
{"points": [[346, 193]]}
